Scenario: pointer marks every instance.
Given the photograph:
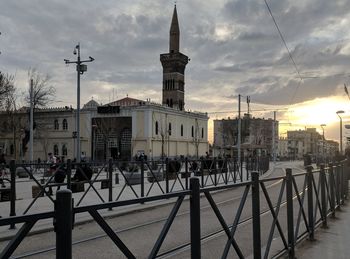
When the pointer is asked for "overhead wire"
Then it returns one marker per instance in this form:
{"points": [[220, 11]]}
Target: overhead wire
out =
{"points": [[287, 48]]}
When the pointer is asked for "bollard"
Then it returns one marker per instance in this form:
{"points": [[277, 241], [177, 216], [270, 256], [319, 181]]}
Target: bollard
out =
{"points": [[13, 191], [195, 218], [323, 196], [310, 202], [256, 215], [110, 181], [331, 184], [63, 224], [290, 213], [69, 174]]}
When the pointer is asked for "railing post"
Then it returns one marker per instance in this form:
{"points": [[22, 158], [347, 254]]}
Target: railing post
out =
{"points": [[256, 215], [110, 181], [323, 196], [341, 183], [142, 177], [310, 201], [195, 218], [226, 168], [331, 188], [167, 175], [202, 172], [337, 185], [13, 191], [214, 168], [186, 173], [290, 213], [63, 224], [69, 174], [346, 179]]}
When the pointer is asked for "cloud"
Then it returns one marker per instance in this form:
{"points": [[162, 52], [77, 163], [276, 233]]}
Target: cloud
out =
{"points": [[233, 45]]}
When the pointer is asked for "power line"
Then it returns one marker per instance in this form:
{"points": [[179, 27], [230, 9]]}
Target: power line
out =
{"points": [[289, 53]]}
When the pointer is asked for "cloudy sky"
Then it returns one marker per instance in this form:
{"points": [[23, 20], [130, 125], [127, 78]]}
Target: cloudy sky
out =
{"points": [[233, 45]]}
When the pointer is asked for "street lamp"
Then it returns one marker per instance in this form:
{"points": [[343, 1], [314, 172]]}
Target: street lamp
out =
{"points": [[80, 70], [341, 131], [323, 139]]}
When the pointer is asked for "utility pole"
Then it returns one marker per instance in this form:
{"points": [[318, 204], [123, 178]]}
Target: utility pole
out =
{"points": [[80, 70], [239, 132], [31, 123], [273, 137]]}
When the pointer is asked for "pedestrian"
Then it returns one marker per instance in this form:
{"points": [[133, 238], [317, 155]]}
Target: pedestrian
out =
{"points": [[2, 169]]}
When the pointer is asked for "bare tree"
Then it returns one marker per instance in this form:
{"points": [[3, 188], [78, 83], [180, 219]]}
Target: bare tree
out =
{"points": [[7, 91], [43, 92]]}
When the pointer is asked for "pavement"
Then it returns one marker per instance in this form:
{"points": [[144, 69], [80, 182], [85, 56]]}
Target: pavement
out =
{"points": [[332, 242]]}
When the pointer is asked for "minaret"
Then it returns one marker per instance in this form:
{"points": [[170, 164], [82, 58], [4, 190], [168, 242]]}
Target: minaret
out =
{"points": [[174, 64]]}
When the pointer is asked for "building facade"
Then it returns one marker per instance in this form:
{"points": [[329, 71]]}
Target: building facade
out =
{"points": [[258, 136]]}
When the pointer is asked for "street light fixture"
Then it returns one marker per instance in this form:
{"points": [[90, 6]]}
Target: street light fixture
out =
{"points": [[341, 131], [323, 139], [80, 70]]}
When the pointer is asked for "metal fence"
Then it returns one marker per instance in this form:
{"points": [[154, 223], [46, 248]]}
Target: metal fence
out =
{"points": [[323, 192], [136, 179]]}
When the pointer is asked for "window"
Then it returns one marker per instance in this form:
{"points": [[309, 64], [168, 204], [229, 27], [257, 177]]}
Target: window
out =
{"points": [[56, 125], [192, 132], [64, 150], [169, 129], [156, 127], [55, 150], [65, 124], [171, 103], [202, 133], [182, 130], [12, 149]]}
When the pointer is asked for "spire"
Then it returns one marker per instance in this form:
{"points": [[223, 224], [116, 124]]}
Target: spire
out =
{"points": [[174, 44]]}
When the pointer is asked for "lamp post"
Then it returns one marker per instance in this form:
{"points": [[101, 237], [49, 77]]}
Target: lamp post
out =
{"points": [[323, 139], [80, 70], [341, 131]]}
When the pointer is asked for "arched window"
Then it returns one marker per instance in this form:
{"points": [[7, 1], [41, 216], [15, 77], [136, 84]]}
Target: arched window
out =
{"points": [[55, 150], [65, 124], [202, 132], [192, 132], [182, 130], [64, 150], [167, 102], [56, 125], [156, 127], [169, 129]]}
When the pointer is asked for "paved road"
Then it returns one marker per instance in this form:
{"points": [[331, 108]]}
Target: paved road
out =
{"points": [[139, 230]]}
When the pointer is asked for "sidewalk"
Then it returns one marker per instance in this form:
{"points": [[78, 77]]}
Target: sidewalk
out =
{"points": [[331, 242]]}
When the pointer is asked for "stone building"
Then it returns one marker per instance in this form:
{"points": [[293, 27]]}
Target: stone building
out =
{"points": [[256, 135]]}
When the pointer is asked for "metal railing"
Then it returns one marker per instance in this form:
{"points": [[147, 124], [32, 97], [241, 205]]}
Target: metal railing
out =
{"points": [[323, 192], [142, 178]]}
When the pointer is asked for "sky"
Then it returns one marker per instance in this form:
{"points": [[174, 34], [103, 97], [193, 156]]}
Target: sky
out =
{"points": [[234, 49]]}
